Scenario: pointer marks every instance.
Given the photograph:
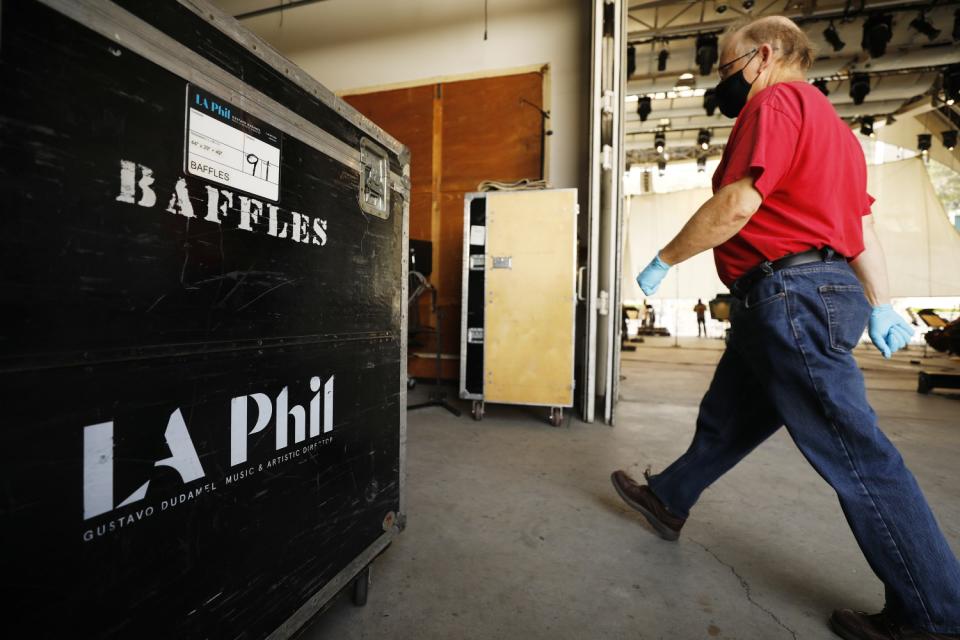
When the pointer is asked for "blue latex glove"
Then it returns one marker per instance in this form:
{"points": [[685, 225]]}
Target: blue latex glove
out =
{"points": [[888, 331], [649, 279]]}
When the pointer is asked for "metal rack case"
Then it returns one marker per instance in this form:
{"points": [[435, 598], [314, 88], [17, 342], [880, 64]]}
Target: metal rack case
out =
{"points": [[519, 299]]}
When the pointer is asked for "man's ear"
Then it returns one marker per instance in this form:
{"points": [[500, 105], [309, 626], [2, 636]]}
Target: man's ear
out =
{"points": [[766, 56]]}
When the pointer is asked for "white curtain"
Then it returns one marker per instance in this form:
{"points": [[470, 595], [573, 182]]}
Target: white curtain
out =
{"points": [[922, 247]]}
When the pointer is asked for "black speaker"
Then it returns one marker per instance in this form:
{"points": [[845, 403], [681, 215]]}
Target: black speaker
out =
{"points": [[421, 257]]}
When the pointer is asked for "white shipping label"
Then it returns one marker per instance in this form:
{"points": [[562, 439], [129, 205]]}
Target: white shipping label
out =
{"points": [[230, 148], [478, 234], [477, 261]]}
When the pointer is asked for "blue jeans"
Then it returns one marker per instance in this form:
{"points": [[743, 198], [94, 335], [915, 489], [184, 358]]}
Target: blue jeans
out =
{"points": [[789, 362]]}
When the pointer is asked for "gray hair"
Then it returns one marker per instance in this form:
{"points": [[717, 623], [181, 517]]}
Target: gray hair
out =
{"points": [[781, 33]]}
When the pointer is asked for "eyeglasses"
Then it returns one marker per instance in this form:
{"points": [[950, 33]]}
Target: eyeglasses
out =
{"points": [[722, 68]]}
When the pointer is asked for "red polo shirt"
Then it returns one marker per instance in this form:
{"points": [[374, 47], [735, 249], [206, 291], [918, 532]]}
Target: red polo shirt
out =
{"points": [[809, 168]]}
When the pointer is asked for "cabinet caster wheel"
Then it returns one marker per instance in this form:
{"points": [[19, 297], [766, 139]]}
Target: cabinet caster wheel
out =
{"points": [[477, 410], [556, 416], [411, 383], [361, 587]]}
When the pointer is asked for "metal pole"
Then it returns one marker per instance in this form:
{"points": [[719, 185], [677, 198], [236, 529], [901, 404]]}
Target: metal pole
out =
{"points": [[676, 311]]}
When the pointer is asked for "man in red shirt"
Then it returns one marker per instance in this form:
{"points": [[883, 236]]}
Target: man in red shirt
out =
{"points": [[793, 238]]}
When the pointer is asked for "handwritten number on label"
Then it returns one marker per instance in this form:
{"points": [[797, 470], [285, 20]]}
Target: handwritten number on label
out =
{"points": [[253, 160]]}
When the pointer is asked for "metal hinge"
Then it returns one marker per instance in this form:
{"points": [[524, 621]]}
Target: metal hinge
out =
{"points": [[606, 102], [603, 303], [606, 157]]}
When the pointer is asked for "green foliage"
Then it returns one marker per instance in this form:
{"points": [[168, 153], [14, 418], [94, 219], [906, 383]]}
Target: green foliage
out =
{"points": [[946, 183]]}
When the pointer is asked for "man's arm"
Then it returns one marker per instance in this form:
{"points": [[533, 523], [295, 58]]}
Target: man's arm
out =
{"points": [[887, 329], [871, 266], [715, 222]]}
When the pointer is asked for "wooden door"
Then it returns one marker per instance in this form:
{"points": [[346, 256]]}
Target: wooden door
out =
{"points": [[529, 297], [460, 134]]}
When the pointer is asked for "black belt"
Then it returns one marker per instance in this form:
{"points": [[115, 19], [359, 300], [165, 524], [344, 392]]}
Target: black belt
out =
{"points": [[742, 285]]}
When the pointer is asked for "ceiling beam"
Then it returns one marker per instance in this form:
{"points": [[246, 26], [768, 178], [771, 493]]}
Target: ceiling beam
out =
{"points": [[816, 13], [293, 4]]}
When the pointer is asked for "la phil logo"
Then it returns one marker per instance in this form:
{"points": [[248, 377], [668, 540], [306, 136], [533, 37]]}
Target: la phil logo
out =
{"points": [[212, 106], [98, 497]]}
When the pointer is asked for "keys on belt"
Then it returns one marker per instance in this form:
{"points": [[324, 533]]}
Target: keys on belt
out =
{"points": [[742, 285]]}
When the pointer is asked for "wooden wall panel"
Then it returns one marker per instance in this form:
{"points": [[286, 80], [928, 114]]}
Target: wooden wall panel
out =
{"points": [[421, 213], [407, 115], [489, 132], [459, 134]]}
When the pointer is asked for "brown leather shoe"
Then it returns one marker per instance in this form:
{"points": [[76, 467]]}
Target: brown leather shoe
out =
{"points": [[855, 625], [641, 498]]}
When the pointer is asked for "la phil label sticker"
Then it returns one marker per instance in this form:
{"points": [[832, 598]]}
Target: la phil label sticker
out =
{"points": [[230, 147]]}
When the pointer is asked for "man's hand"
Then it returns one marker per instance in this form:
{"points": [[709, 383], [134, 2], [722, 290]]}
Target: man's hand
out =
{"points": [[649, 279], [888, 331]]}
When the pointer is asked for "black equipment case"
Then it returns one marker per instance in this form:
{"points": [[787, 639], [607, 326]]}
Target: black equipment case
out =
{"points": [[204, 327]]}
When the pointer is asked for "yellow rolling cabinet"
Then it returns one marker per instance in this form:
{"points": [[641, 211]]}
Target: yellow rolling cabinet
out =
{"points": [[519, 299]]}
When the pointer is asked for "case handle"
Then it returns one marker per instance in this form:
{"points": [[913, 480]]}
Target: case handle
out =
{"points": [[580, 271]]}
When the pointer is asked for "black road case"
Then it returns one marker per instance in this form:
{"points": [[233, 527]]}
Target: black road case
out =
{"points": [[204, 323]]}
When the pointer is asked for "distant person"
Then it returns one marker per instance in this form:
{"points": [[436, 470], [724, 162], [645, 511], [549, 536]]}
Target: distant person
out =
{"points": [[793, 237], [651, 316], [701, 310]]}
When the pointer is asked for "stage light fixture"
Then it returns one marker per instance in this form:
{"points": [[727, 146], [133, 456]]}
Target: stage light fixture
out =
{"points": [[748, 4], [950, 139], [921, 24], [702, 164], [661, 167], [703, 139], [662, 60], [866, 127], [710, 101], [877, 30], [951, 84], [644, 107], [821, 84], [833, 38], [706, 53], [720, 7], [631, 60], [924, 140], [859, 87], [659, 141]]}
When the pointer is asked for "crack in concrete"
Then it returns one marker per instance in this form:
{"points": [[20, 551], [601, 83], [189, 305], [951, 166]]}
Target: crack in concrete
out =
{"points": [[746, 587]]}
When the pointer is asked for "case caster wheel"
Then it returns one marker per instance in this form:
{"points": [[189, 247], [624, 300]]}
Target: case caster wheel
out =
{"points": [[923, 383], [556, 416], [477, 410], [411, 383], [361, 587]]}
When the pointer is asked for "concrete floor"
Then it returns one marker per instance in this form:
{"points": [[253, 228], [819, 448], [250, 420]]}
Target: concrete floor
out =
{"points": [[515, 532]]}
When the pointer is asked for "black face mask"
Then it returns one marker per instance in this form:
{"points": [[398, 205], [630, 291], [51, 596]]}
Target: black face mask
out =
{"points": [[732, 92]]}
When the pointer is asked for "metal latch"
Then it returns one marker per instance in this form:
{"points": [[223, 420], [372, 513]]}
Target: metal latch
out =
{"points": [[603, 303], [606, 102], [374, 180], [606, 159], [503, 262]]}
